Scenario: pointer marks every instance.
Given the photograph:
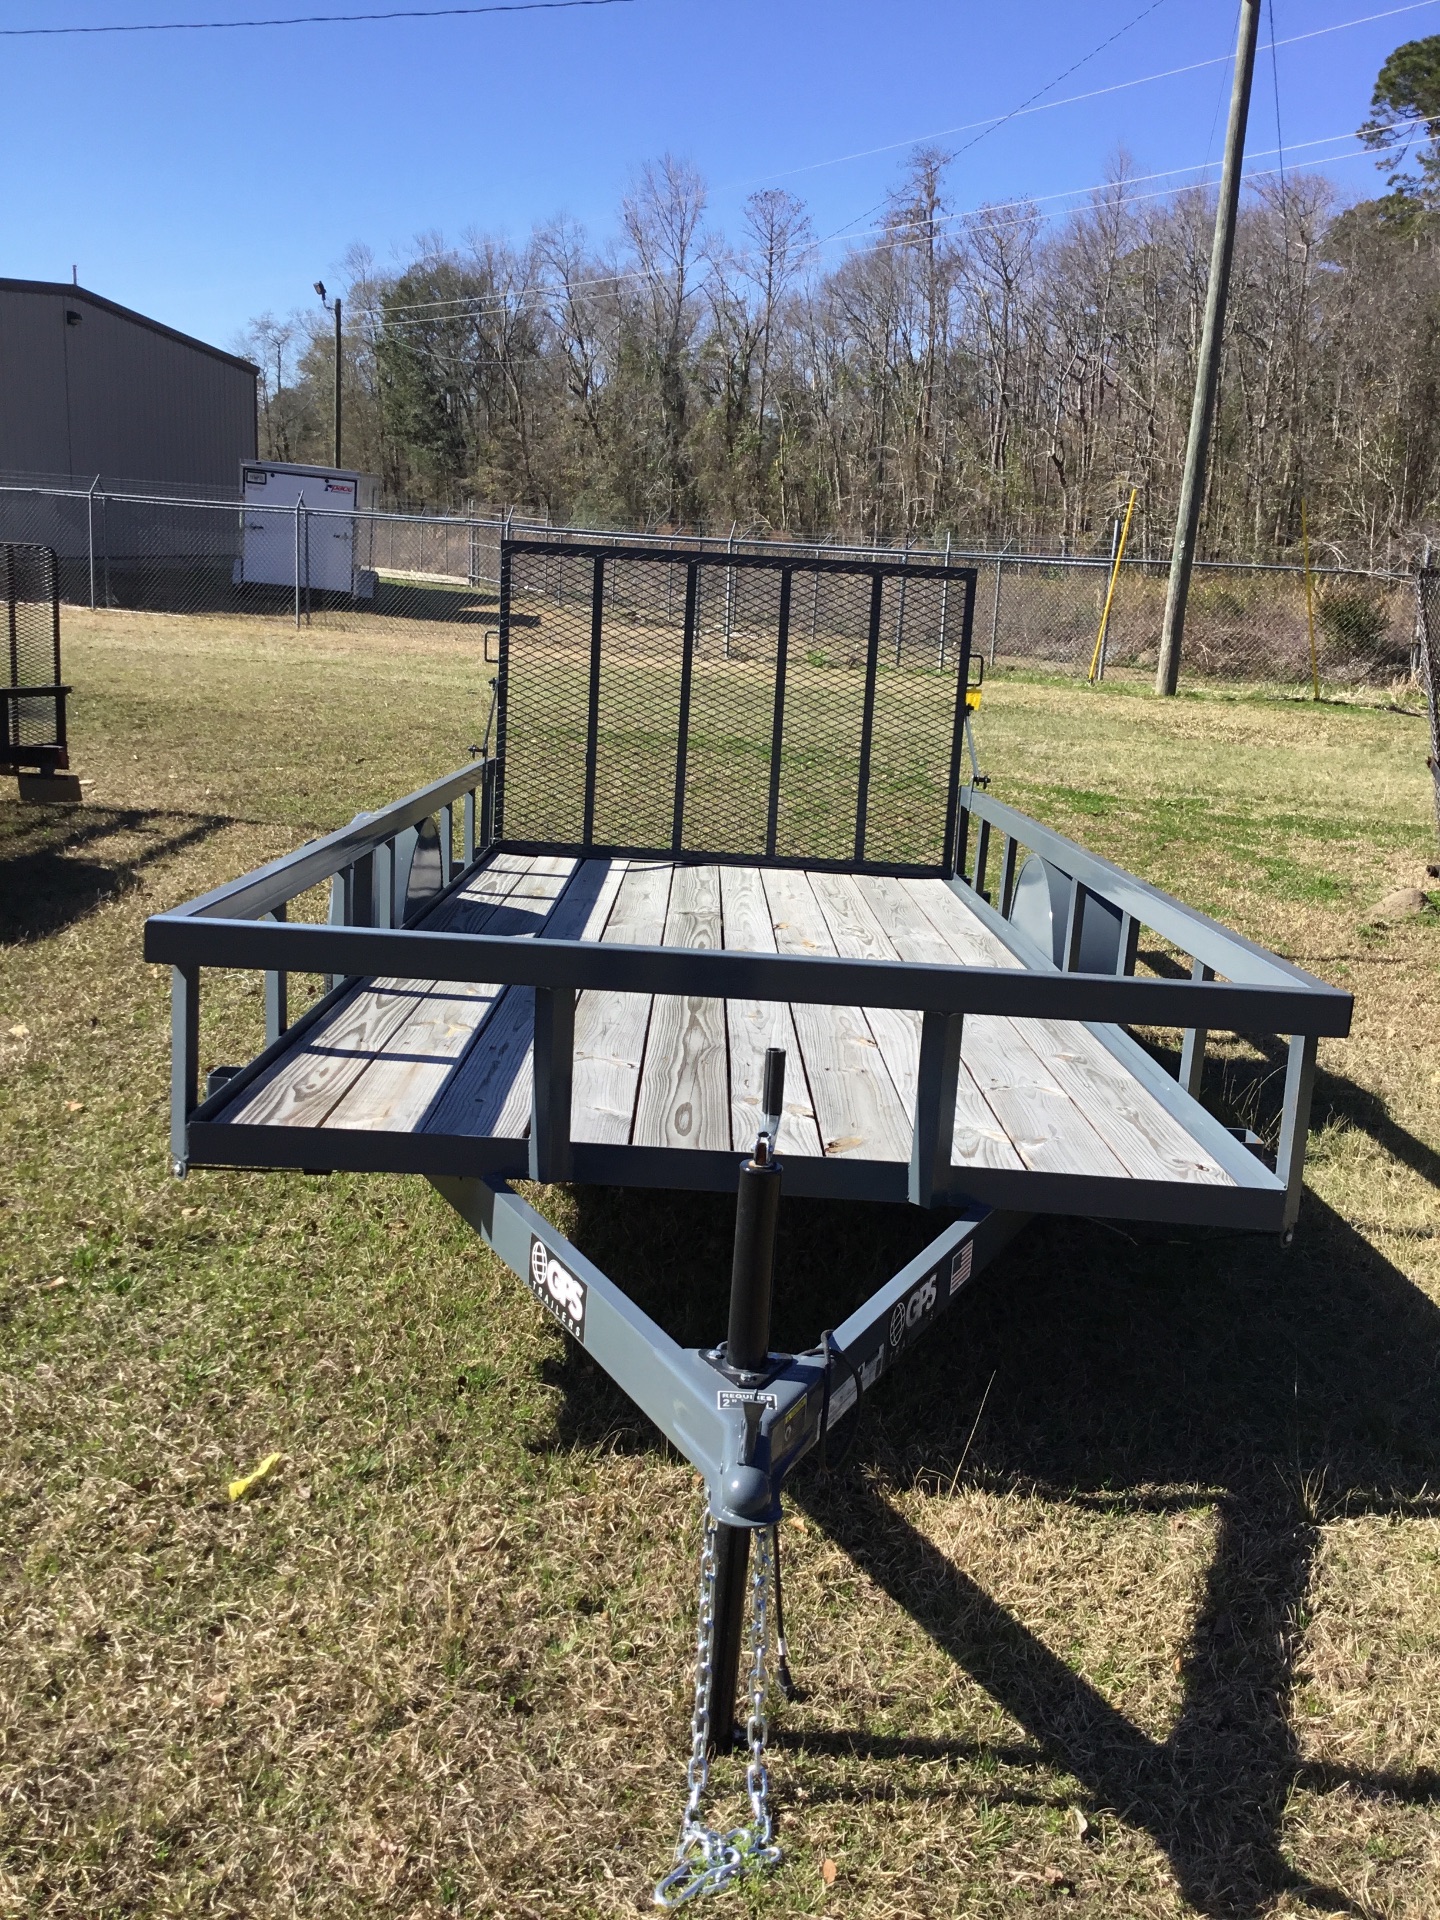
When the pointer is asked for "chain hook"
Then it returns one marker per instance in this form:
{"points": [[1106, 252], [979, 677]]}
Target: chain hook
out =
{"points": [[707, 1860]]}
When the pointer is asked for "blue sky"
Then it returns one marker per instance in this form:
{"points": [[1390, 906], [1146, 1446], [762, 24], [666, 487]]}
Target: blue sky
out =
{"points": [[206, 177]]}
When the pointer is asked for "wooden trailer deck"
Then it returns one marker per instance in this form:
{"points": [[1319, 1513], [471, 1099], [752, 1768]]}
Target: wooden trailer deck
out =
{"points": [[440, 1063]]}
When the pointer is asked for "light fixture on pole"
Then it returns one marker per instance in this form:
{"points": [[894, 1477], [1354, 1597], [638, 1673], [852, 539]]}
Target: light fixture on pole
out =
{"points": [[334, 307]]}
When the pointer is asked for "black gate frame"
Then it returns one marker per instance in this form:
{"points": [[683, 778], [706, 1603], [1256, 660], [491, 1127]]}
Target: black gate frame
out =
{"points": [[16, 756], [787, 566]]}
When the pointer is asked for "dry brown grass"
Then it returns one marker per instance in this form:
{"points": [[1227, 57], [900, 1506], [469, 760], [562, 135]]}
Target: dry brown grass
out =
{"points": [[1167, 1642]]}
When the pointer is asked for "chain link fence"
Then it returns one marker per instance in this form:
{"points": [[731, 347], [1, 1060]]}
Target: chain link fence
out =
{"points": [[156, 553]]}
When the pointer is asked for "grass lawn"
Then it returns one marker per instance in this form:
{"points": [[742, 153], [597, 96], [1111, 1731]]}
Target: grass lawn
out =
{"points": [[1124, 1601]]}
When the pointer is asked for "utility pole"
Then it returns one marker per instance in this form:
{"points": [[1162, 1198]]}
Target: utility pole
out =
{"points": [[339, 370], [1207, 371], [339, 361]]}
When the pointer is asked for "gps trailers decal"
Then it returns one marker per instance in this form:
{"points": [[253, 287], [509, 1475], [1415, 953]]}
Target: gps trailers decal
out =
{"points": [[558, 1290], [887, 1337]]}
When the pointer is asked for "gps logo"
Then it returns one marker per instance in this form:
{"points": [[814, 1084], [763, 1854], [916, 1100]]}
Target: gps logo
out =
{"points": [[909, 1312], [557, 1289]]}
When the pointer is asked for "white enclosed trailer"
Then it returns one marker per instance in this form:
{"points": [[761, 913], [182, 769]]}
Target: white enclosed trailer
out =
{"points": [[307, 526]]}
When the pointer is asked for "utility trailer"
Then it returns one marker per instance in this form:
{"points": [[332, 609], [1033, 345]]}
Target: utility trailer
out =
{"points": [[724, 916], [32, 698]]}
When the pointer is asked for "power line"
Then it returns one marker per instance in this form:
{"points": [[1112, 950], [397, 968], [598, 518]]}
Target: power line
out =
{"points": [[309, 19], [1027, 105], [1076, 99], [476, 306]]}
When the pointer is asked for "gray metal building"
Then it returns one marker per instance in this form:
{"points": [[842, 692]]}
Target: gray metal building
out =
{"points": [[89, 388]]}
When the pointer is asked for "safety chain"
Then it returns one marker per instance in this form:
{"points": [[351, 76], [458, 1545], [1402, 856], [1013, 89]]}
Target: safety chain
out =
{"points": [[705, 1859]]}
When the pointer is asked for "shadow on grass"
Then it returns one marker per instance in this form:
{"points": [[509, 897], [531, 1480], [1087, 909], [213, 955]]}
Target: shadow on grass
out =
{"points": [[1149, 1369], [59, 864], [1248, 1090]]}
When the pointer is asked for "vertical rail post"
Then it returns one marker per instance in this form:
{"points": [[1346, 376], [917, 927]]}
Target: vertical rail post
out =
{"points": [[467, 840], [502, 696], [1192, 1047], [953, 857], [592, 720], [1008, 852], [488, 787], [867, 721], [553, 1070], [777, 725], [1295, 1123], [12, 619], [298, 505], [382, 896], [747, 1346], [938, 1077], [1128, 944], [447, 843], [1074, 927], [184, 1060], [982, 858], [277, 994], [682, 732], [362, 891]]}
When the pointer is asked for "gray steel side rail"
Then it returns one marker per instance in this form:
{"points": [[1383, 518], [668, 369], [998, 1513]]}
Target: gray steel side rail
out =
{"points": [[186, 941], [272, 885], [1213, 949], [1195, 933], [744, 1440]]}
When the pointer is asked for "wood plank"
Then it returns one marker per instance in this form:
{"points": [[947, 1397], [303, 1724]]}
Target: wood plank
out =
{"points": [[1152, 1144], [1048, 1131], [303, 1087], [489, 1093], [398, 1087], [978, 1139], [684, 1098], [610, 1028], [754, 1025], [857, 1109]]}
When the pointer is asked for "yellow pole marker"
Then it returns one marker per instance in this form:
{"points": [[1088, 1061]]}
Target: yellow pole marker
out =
{"points": [[1309, 602], [1110, 593], [248, 1482]]}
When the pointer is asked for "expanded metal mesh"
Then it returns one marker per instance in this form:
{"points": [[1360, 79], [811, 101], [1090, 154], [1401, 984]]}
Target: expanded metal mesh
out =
{"points": [[30, 612], [672, 700]]}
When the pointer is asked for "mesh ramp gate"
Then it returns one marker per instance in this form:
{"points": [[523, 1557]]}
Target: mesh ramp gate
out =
{"points": [[658, 701], [32, 701]]}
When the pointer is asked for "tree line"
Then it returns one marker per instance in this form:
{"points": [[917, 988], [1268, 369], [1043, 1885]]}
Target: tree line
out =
{"points": [[989, 374]]}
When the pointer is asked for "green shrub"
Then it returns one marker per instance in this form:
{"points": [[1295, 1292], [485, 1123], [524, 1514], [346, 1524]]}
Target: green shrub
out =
{"points": [[1354, 622]]}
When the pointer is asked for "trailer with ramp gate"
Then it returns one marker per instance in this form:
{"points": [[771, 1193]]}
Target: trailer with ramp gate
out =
{"points": [[717, 910]]}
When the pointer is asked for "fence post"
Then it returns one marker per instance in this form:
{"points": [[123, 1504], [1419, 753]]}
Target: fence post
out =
{"points": [[729, 590], [995, 608], [1424, 581], [944, 604], [90, 534], [299, 508], [900, 609]]}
